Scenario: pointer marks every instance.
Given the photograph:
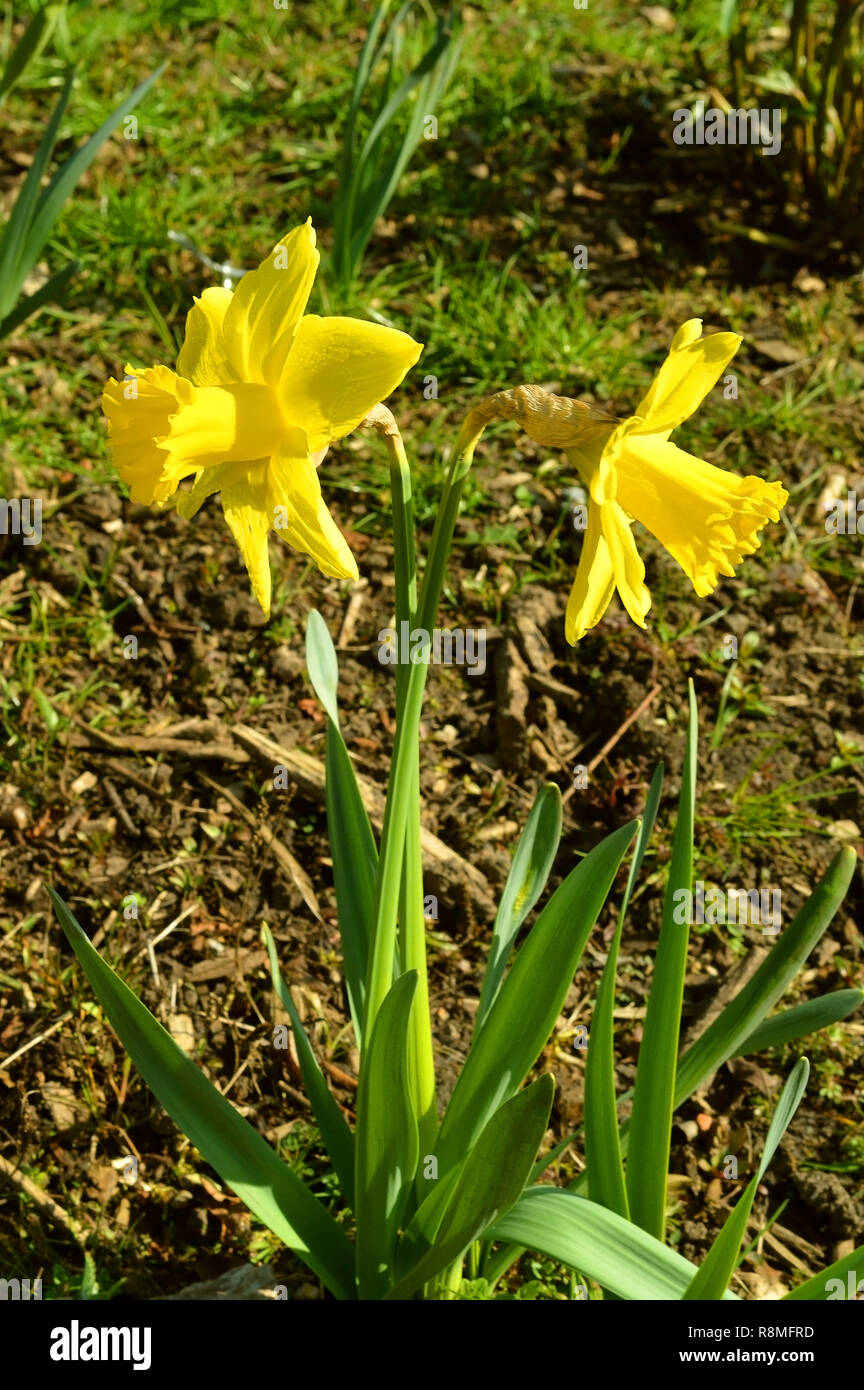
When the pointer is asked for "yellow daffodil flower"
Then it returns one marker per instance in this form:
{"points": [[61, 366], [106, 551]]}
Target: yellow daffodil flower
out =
{"points": [[708, 519], [260, 392]]}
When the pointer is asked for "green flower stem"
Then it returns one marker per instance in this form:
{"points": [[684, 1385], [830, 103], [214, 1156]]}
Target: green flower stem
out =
{"points": [[400, 785], [412, 954]]}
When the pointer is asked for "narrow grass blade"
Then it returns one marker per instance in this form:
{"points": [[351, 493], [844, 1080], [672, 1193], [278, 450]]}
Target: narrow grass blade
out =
{"points": [[599, 1243], [653, 1093], [530, 999], [387, 1143], [606, 1183], [797, 1022], [237, 1151], [532, 862], [490, 1182], [334, 1129], [712, 1278]]}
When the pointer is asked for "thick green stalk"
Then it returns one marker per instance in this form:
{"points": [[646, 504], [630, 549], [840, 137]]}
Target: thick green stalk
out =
{"points": [[413, 943], [410, 912], [400, 785]]}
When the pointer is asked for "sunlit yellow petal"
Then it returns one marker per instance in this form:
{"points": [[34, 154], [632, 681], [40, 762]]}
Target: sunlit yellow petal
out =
{"points": [[162, 428], [708, 519], [692, 369], [267, 306], [627, 566], [594, 583], [337, 370], [203, 357], [592, 461], [244, 502], [189, 501], [299, 513]]}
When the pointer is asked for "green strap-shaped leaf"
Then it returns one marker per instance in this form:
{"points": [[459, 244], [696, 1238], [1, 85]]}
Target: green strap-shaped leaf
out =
{"points": [[323, 664], [355, 869], [713, 1275], [489, 1183], [347, 190], [237, 1151], [725, 1037], [54, 196], [606, 1183], [824, 1286], [49, 293], [809, 1017], [16, 234], [730, 1032], [387, 1144], [596, 1242], [530, 999], [378, 181], [334, 1129], [653, 1093], [29, 46], [532, 862], [355, 855], [369, 176]]}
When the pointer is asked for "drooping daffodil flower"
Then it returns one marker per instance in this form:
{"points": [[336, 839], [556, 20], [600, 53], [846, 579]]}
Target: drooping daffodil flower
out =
{"points": [[707, 518], [260, 392]]}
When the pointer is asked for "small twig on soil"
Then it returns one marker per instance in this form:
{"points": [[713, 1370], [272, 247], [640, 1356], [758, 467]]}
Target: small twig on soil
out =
{"points": [[47, 1206], [308, 772], [734, 981], [284, 858], [618, 735], [787, 1254], [34, 1042], [352, 613], [141, 743], [171, 925], [140, 782], [339, 1076], [117, 802]]}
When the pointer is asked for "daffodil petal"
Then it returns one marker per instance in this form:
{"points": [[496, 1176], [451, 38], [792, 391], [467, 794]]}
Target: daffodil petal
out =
{"points": [[337, 370], [592, 461], [204, 357], [594, 584], [208, 481], [692, 369], [299, 513], [627, 565], [267, 306], [707, 518], [244, 502]]}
